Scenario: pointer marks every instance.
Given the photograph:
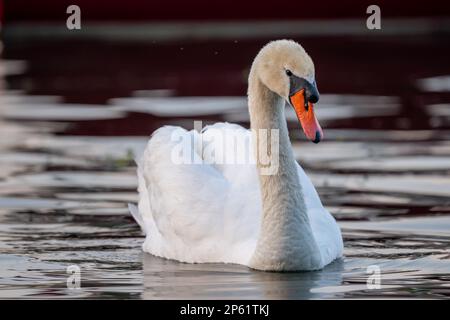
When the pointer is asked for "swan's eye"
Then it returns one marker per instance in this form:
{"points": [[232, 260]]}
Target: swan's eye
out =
{"points": [[288, 72]]}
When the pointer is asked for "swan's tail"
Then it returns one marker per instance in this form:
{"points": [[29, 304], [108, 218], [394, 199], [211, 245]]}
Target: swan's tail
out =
{"points": [[137, 216]]}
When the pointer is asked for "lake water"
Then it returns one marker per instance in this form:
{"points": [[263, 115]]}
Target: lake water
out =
{"points": [[73, 116]]}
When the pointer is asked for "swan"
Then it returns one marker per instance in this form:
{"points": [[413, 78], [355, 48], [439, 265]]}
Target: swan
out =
{"points": [[241, 213]]}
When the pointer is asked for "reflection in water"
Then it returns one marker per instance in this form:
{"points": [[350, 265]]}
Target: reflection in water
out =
{"points": [[67, 173], [164, 279]]}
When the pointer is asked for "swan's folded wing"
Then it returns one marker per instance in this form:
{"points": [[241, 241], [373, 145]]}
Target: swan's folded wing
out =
{"points": [[324, 226], [228, 148], [185, 195]]}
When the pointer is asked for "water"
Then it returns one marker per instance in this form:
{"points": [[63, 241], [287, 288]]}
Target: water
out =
{"points": [[73, 116]]}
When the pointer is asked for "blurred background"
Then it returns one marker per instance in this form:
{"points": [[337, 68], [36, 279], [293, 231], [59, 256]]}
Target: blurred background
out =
{"points": [[76, 106]]}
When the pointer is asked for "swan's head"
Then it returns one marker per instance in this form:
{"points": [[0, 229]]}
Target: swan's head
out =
{"points": [[285, 68]]}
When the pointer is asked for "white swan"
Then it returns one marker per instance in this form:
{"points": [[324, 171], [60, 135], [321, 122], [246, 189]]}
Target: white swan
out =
{"points": [[237, 213]]}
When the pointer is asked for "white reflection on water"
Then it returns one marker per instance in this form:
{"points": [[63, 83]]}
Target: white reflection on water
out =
{"points": [[180, 106], [435, 84], [429, 226], [54, 112]]}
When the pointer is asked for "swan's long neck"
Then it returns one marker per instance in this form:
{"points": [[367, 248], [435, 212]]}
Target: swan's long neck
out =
{"points": [[286, 241]]}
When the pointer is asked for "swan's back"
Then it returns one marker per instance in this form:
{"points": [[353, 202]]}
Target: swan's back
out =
{"points": [[211, 212]]}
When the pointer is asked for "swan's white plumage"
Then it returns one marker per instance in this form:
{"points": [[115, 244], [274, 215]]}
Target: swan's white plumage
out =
{"points": [[212, 212]]}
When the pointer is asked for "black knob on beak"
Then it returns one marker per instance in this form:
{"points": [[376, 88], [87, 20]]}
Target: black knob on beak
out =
{"points": [[311, 93], [313, 98]]}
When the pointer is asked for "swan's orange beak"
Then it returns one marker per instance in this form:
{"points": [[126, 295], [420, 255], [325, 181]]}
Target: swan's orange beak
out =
{"points": [[305, 114]]}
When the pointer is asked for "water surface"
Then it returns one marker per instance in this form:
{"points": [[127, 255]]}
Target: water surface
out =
{"points": [[73, 117]]}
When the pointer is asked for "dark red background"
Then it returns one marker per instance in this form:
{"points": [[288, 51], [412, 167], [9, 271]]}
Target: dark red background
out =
{"points": [[130, 10]]}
